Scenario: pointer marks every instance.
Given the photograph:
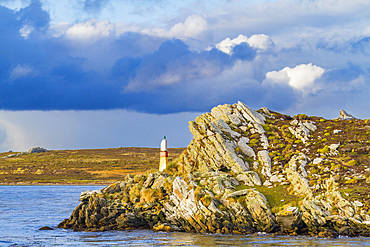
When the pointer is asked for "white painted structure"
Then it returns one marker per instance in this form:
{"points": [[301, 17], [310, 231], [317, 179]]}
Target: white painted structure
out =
{"points": [[163, 155]]}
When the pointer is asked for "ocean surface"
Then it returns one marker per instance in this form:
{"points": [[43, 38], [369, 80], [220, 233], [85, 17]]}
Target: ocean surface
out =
{"points": [[25, 209]]}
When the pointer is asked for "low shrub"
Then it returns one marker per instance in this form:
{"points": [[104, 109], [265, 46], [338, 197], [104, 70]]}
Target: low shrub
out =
{"points": [[323, 150], [352, 163]]}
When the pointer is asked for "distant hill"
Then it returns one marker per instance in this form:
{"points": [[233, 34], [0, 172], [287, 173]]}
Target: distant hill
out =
{"points": [[85, 166]]}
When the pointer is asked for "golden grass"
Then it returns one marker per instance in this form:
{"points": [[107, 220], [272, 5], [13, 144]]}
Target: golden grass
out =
{"points": [[80, 166]]}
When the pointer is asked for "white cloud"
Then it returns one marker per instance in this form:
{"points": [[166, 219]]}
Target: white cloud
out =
{"points": [[59, 29], [20, 71], [227, 45], [301, 77], [257, 41], [192, 27], [26, 30], [90, 30], [260, 41]]}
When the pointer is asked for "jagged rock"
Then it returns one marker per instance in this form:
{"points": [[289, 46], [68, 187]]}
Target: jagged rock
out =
{"points": [[317, 161], [160, 182], [298, 181], [343, 115], [247, 150], [301, 130], [313, 215], [253, 115], [215, 142], [238, 193], [250, 178], [358, 203], [87, 194], [150, 180], [267, 183], [257, 206], [266, 111], [165, 227], [309, 125], [277, 178], [337, 131], [334, 149], [290, 220], [131, 221], [265, 159], [231, 150], [113, 188]]}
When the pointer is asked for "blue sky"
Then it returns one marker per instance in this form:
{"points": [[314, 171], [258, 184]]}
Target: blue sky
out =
{"points": [[65, 64]]}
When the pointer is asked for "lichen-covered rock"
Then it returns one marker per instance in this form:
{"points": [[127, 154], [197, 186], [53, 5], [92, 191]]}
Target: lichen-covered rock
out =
{"points": [[218, 137], [313, 216], [242, 173], [343, 115], [265, 159], [257, 206], [250, 178], [296, 176]]}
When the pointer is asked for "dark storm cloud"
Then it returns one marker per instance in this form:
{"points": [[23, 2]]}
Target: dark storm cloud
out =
{"points": [[41, 72], [95, 67]]}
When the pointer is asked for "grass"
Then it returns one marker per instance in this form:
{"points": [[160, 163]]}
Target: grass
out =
{"points": [[358, 191], [277, 197], [87, 166]]}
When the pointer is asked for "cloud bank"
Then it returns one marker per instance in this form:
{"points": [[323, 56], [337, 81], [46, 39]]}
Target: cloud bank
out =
{"points": [[169, 57]]}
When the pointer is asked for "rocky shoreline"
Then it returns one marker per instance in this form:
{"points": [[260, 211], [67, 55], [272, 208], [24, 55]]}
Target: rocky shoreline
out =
{"points": [[246, 171]]}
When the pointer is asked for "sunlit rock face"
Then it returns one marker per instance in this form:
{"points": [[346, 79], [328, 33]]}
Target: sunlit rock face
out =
{"points": [[246, 171]]}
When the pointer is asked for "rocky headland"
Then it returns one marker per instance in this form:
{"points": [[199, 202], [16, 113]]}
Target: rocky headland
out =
{"points": [[247, 171]]}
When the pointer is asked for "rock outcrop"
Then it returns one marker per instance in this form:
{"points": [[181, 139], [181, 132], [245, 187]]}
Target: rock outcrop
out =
{"points": [[245, 171], [343, 115], [30, 151]]}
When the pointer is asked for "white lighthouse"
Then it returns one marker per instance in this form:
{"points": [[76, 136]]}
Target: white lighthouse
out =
{"points": [[163, 155]]}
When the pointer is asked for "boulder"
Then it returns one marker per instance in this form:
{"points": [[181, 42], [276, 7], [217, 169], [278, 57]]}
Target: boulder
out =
{"points": [[45, 228], [258, 208], [290, 220], [165, 227]]}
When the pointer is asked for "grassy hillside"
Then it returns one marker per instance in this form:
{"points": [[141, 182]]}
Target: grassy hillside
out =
{"points": [[90, 166]]}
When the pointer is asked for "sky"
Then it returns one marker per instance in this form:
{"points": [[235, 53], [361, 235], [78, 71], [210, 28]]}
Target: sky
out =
{"points": [[110, 73]]}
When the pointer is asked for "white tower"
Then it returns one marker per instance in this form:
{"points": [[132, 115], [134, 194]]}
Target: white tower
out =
{"points": [[163, 155]]}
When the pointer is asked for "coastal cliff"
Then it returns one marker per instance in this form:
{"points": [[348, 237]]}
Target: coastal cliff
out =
{"points": [[247, 171]]}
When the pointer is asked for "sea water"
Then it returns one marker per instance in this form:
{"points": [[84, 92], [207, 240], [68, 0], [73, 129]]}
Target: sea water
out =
{"points": [[25, 209]]}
